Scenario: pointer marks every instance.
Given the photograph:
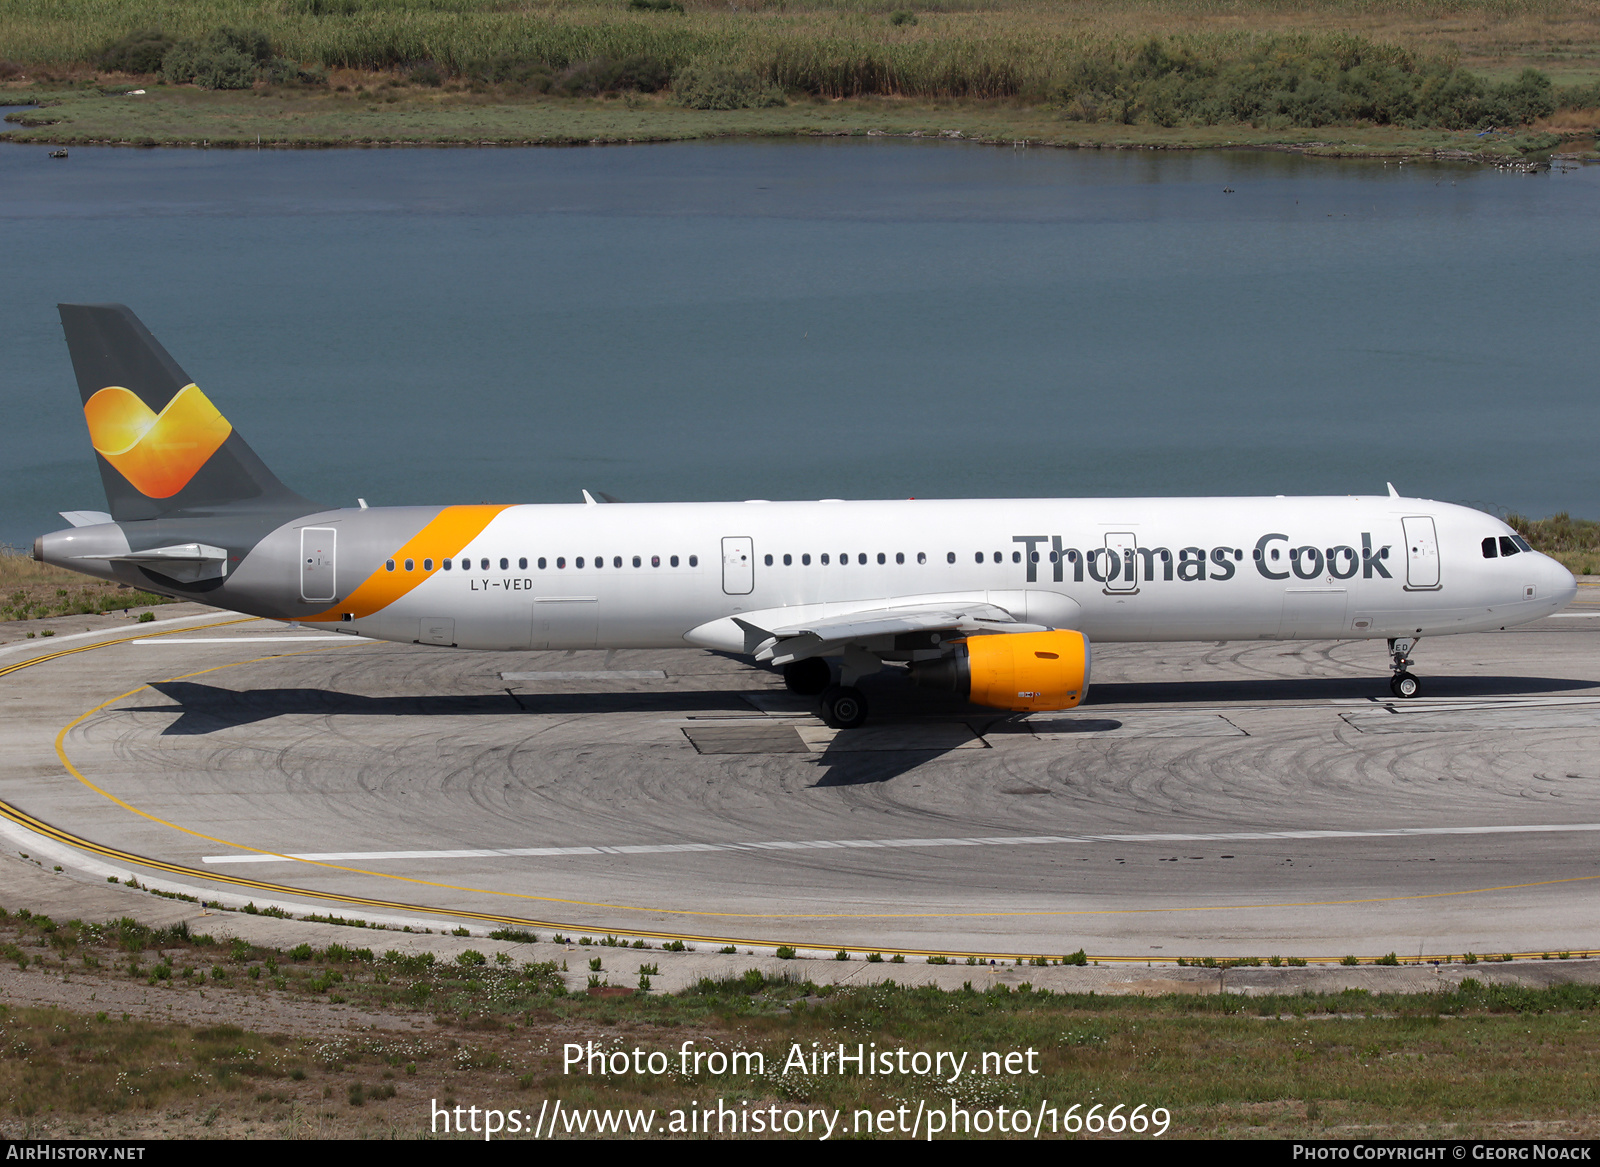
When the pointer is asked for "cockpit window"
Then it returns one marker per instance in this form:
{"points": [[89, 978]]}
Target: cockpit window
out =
{"points": [[1489, 551], [1522, 543], [1508, 546]]}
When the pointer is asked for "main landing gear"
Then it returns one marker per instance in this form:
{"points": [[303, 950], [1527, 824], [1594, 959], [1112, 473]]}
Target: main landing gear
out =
{"points": [[843, 706], [1403, 683]]}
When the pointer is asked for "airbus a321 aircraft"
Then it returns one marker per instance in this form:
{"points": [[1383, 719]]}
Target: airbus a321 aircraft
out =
{"points": [[997, 600]]}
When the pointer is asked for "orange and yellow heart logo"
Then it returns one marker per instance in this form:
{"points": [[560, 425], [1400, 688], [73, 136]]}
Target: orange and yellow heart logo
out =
{"points": [[158, 454]]}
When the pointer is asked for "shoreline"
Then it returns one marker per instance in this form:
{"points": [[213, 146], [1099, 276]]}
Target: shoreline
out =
{"points": [[183, 117]]}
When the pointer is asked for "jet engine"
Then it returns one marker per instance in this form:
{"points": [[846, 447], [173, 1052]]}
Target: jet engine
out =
{"points": [[1026, 672]]}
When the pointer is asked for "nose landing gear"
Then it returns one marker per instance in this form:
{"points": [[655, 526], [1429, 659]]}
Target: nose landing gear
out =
{"points": [[1403, 683]]}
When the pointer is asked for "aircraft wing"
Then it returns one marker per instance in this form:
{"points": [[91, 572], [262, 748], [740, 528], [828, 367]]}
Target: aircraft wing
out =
{"points": [[815, 637]]}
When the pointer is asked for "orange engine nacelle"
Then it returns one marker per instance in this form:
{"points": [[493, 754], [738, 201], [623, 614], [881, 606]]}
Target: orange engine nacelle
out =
{"points": [[1026, 672]]}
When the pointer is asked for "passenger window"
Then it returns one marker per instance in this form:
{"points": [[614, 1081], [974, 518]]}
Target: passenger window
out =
{"points": [[844, 558], [427, 565], [694, 561], [578, 562], [922, 557], [1275, 552], [484, 564], [1489, 550], [998, 558], [977, 557], [788, 560], [1033, 556], [1016, 557], [899, 556], [1507, 547], [823, 559], [636, 561], [655, 561], [616, 561], [950, 557], [599, 560], [522, 564], [448, 564], [767, 560], [541, 563], [805, 559], [561, 561], [862, 559], [410, 566], [505, 564], [388, 565], [673, 561]]}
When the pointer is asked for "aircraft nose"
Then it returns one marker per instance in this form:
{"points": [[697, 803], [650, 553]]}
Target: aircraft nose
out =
{"points": [[1563, 584]]}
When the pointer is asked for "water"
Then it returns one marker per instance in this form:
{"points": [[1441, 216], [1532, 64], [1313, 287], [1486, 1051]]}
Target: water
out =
{"points": [[822, 319]]}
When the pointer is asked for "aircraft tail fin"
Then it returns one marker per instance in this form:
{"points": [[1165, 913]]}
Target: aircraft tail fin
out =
{"points": [[164, 449]]}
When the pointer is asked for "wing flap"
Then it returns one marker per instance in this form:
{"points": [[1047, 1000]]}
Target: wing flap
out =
{"points": [[784, 644]]}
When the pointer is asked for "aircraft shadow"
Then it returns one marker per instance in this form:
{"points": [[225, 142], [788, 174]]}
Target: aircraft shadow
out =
{"points": [[208, 709], [1269, 690]]}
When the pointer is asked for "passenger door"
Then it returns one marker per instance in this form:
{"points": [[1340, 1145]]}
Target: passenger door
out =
{"points": [[1422, 553], [1121, 548], [318, 581]]}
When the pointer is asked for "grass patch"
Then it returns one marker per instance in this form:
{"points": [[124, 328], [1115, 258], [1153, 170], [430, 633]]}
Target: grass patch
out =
{"points": [[1479, 1058], [1575, 543], [34, 591]]}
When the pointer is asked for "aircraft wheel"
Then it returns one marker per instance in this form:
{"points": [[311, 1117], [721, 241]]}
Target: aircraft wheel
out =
{"points": [[807, 677], [1405, 685], [844, 707]]}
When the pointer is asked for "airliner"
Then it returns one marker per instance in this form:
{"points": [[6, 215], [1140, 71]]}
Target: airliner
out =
{"points": [[997, 601]]}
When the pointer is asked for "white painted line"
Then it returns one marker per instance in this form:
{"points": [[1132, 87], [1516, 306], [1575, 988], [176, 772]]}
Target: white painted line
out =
{"points": [[245, 639], [589, 675], [1500, 705], [50, 643], [1575, 615], [889, 844]]}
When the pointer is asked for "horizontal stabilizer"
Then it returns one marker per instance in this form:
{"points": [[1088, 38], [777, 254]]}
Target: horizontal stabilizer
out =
{"points": [[184, 562], [86, 518]]}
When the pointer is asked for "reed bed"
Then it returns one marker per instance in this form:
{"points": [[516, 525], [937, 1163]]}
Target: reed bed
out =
{"points": [[835, 47]]}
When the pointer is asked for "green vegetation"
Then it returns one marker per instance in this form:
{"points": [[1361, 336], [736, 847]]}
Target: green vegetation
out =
{"points": [[34, 591], [1476, 1060], [1271, 65], [1574, 542]]}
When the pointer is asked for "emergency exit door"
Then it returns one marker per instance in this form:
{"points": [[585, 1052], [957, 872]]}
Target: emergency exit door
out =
{"points": [[738, 565]]}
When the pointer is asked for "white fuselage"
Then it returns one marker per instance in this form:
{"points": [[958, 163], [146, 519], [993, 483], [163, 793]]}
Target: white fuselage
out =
{"points": [[666, 575]]}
